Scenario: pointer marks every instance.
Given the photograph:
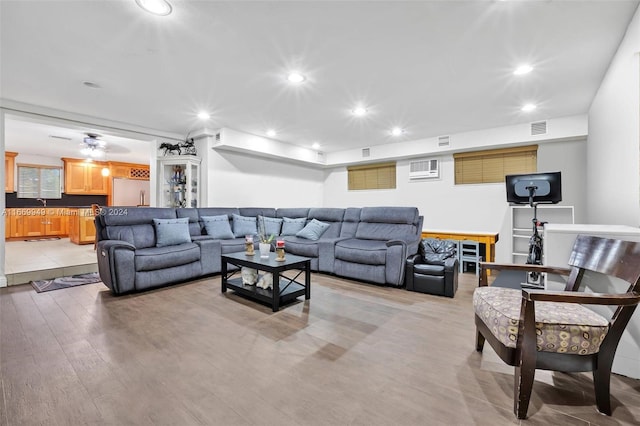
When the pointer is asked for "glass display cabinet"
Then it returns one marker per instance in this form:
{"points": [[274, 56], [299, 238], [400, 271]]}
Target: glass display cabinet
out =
{"points": [[179, 181]]}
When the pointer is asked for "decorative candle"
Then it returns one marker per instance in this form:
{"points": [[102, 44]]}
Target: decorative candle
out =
{"points": [[280, 243]]}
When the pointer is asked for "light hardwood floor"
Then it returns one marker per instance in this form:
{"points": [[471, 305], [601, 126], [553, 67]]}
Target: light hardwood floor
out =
{"points": [[355, 354]]}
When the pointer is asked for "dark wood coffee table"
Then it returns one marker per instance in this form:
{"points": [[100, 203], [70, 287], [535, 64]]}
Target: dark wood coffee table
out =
{"points": [[284, 288]]}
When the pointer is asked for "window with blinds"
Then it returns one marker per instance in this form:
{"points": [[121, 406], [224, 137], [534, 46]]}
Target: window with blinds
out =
{"points": [[372, 176], [39, 181], [492, 166]]}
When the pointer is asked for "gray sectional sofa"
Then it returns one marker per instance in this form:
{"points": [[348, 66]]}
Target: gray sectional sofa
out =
{"points": [[136, 252]]}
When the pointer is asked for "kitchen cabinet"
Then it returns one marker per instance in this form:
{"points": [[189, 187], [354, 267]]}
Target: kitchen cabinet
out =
{"points": [[129, 170], [37, 222], [81, 177], [9, 170], [82, 229]]}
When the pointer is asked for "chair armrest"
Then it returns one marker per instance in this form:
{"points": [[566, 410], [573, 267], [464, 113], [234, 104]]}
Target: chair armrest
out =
{"points": [[395, 243], [414, 259], [484, 266], [625, 299]]}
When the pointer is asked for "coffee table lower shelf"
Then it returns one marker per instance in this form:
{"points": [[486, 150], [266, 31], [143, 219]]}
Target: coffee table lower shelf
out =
{"points": [[292, 291]]}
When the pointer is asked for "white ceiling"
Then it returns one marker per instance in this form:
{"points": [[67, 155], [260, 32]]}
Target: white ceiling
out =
{"points": [[431, 67]]}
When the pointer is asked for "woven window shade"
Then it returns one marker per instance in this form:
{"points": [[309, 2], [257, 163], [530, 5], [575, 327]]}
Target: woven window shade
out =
{"points": [[372, 176], [493, 165]]}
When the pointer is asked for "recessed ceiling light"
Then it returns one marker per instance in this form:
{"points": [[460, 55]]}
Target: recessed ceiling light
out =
{"points": [[271, 133], [359, 111], [523, 69], [315, 145], [528, 107], [157, 7], [296, 77], [203, 115], [397, 131], [92, 85]]}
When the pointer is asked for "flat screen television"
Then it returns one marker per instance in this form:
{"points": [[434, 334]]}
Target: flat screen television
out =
{"points": [[534, 188]]}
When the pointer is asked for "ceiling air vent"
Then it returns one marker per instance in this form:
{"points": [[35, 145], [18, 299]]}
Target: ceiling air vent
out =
{"points": [[539, 128], [443, 141], [424, 169], [64, 138], [366, 152]]}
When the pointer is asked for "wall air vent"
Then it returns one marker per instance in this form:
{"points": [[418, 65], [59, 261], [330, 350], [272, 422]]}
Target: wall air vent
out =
{"points": [[366, 152], [443, 141], [64, 138], [539, 128], [217, 137], [320, 157], [424, 169]]}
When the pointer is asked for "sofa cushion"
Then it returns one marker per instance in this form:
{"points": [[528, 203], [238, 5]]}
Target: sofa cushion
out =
{"points": [[291, 226], [170, 232], [272, 225], [368, 252], [428, 269], [560, 327], [231, 246], [244, 225], [301, 246], [218, 227], [195, 227], [154, 258], [313, 230]]}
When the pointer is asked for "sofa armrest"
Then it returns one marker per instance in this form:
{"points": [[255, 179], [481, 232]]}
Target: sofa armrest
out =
{"points": [[327, 254], [451, 264], [116, 265], [408, 274], [396, 243]]}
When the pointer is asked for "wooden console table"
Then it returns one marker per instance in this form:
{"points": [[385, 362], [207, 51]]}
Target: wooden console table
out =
{"points": [[488, 239]]}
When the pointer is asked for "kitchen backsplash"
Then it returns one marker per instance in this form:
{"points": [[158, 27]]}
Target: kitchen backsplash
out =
{"points": [[12, 200]]}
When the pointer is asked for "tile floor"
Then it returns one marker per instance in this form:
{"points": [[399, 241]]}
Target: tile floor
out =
{"points": [[44, 259]]}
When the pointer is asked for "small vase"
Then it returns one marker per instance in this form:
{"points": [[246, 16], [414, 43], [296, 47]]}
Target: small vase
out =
{"points": [[265, 248]]}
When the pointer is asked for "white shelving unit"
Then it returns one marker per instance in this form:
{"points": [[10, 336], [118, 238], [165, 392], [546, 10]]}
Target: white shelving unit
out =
{"points": [[522, 227], [179, 179]]}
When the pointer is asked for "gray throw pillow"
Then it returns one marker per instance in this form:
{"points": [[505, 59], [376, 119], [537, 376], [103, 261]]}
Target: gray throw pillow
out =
{"points": [[313, 230], [292, 226], [244, 225], [218, 226], [272, 225], [170, 232]]}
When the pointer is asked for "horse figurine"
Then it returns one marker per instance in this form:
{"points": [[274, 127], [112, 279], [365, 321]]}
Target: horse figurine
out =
{"points": [[168, 147], [188, 147]]}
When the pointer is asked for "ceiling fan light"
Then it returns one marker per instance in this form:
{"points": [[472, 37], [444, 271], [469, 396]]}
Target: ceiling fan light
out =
{"points": [[157, 7]]}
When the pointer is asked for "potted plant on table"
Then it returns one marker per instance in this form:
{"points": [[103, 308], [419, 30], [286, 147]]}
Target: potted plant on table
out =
{"points": [[265, 240]]}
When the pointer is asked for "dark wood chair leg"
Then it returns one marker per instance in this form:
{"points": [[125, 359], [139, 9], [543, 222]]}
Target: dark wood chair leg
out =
{"points": [[525, 370], [601, 384], [523, 384], [479, 341]]}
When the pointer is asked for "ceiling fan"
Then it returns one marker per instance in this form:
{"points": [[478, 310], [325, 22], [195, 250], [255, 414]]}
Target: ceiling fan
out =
{"points": [[93, 147]]}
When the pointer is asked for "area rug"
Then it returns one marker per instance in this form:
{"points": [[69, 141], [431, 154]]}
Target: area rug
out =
{"points": [[65, 282]]}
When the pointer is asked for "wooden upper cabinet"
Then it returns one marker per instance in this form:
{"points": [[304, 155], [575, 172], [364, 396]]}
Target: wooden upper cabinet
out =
{"points": [[9, 169], [81, 177], [129, 170]]}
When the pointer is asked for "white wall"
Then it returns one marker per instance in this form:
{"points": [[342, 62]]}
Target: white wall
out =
{"points": [[241, 180], [476, 208], [614, 138]]}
